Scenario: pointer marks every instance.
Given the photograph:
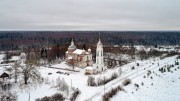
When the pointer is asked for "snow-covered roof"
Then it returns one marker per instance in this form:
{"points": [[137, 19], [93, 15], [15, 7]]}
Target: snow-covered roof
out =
{"points": [[80, 51], [7, 72], [72, 46], [70, 57], [89, 68], [23, 55]]}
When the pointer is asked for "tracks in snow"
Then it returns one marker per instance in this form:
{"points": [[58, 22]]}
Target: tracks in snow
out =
{"points": [[131, 75]]}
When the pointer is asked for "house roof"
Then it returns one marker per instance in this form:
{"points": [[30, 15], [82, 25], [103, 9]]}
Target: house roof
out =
{"points": [[5, 74], [80, 51], [89, 68]]}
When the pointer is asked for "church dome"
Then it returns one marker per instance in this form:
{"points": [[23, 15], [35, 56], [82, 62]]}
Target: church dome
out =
{"points": [[89, 50], [72, 46]]}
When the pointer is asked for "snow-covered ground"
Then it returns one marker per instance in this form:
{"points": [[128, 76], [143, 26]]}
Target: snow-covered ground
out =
{"points": [[163, 89]]}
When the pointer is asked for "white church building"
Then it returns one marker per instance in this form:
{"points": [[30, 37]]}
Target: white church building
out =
{"points": [[99, 65]]}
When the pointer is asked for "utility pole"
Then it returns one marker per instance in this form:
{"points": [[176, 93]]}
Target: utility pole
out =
{"points": [[137, 70], [71, 83], [104, 86], [29, 97]]}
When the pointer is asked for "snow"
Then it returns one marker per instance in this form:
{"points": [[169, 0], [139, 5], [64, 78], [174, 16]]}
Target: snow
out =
{"points": [[127, 73], [89, 68], [79, 51], [1, 57], [163, 88], [36, 92], [15, 58], [63, 65]]}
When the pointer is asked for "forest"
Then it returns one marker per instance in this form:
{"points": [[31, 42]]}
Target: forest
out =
{"points": [[15, 40]]}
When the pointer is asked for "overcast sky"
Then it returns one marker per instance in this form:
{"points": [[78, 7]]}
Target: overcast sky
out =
{"points": [[90, 15]]}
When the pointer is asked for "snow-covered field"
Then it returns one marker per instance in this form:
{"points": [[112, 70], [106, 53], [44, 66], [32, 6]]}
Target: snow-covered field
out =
{"points": [[162, 87], [165, 87]]}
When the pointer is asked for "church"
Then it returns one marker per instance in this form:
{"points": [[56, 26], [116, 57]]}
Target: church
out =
{"points": [[78, 57], [99, 57], [99, 65]]}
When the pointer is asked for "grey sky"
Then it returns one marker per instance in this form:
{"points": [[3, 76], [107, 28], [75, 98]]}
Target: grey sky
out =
{"points": [[89, 14]]}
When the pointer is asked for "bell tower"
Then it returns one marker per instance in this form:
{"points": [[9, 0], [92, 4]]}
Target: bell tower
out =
{"points": [[99, 57]]}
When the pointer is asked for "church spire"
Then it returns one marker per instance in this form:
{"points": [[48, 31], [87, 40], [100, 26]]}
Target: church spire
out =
{"points": [[99, 36], [99, 43], [72, 42]]}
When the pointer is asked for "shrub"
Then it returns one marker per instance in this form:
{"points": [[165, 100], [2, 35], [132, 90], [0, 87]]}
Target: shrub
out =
{"points": [[111, 93], [114, 76], [8, 96], [55, 97], [91, 81], [74, 95], [132, 68], [176, 63], [137, 64], [142, 84], [126, 82], [61, 84], [136, 85]]}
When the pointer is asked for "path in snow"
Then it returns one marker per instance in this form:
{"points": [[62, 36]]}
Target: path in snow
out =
{"points": [[98, 96]]}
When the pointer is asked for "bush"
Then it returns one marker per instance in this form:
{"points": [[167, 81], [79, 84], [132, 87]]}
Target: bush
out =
{"points": [[176, 63], [62, 85], [142, 84], [112, 92], [126, 82], [8, 96], [74, 95], [137, 64], [132, 68], [55, 97], [91, 81]]}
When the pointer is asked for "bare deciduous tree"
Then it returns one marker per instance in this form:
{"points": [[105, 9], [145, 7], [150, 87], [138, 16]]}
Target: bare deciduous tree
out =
{"points": [[30, 70]]}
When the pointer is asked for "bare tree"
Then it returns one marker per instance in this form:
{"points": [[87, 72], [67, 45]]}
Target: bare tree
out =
{"points": [[16, 66], [120, 71], [29, 69], [91, 81]]}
